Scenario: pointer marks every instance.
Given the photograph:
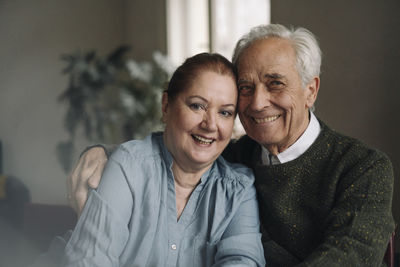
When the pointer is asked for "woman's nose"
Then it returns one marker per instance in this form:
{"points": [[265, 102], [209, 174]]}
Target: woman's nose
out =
{"points": [[209, 122]]}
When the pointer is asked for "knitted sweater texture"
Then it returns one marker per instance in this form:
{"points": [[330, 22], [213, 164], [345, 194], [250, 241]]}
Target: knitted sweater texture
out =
{"points": [[329, 207]]}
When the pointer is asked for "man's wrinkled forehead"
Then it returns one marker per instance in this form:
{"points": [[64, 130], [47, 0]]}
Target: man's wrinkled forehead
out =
{"points": [[262, 70], [266, 60]]}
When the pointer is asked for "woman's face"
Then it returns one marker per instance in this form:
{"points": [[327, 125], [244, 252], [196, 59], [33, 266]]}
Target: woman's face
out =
{"points": [[199, 121]]}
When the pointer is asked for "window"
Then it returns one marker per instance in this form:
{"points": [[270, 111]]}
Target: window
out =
{"points": [[187, 29], [195, 26], [233, 18]]}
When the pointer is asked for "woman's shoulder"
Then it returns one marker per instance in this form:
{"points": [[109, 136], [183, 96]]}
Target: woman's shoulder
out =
{"points": [[139, 149], [235, 181], [234, 173]]}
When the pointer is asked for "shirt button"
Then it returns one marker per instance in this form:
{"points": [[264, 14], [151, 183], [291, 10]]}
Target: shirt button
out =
{"points": [[173, 246]]}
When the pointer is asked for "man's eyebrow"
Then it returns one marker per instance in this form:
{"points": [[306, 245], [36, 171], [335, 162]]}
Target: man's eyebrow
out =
{"points": [[274, 76], [267, 75], [243, 81]]}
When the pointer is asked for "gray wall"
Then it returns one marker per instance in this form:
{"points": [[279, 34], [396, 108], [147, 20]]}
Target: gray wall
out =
{"points": [[360, 81], [33, 35], [145, 23]]}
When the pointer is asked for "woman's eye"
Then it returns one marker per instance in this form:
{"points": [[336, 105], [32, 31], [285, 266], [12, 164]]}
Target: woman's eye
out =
{"points": [[226, 113], [196, 106]]}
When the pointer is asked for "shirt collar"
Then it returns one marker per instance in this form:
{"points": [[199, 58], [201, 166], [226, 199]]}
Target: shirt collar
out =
{"points": [[298, 148], [169, 160]]}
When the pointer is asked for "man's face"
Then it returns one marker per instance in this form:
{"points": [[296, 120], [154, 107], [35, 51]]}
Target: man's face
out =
{"points": [[273, 104]]}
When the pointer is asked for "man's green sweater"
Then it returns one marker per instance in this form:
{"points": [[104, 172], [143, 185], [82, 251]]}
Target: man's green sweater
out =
{"points": [[329, 207]]}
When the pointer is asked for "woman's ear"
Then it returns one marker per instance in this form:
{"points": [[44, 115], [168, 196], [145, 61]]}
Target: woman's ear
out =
{"points": [[164, 106], [312, 91]]}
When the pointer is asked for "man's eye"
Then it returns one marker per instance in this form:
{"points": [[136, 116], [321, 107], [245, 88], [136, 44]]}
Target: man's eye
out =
{"points": [[245, 90], [276, 84]]}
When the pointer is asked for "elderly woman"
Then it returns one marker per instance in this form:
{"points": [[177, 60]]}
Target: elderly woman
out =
{"points": [[171, 199]]}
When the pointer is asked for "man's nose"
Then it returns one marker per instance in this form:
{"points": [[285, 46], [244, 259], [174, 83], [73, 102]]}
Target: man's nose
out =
{"points": [[260, 99]]}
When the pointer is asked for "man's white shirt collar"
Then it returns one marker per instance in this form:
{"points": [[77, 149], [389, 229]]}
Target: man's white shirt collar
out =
{"points": [[298, 148]]}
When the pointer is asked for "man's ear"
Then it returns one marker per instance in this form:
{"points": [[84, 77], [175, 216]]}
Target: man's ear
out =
{"points": [[164, 106], [312, 91]]}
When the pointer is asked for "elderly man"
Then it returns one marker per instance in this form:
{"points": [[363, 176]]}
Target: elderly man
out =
{"points": [[325, 198]]}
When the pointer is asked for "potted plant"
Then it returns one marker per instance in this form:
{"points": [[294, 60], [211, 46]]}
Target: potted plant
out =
{"points": [[112, 98]]}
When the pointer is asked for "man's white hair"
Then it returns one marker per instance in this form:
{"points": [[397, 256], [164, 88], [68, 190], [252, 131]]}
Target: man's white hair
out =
{"points": [[305, 45]]}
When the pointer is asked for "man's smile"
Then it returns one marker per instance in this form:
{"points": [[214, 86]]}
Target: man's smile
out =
{"points": [[266, 119]]}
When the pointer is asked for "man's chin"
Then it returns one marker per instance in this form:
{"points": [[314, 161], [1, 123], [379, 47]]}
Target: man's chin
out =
{"points": [[265, 139]]}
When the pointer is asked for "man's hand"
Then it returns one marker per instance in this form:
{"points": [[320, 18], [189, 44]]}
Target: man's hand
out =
{"points": [[86, 174]]}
